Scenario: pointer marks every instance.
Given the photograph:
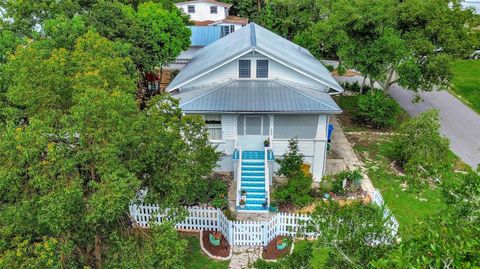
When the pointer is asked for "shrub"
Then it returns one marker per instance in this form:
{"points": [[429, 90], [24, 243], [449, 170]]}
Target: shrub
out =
{"points": [[208, 190], [421, 150], [297, 191], [291, 161], [378, 109]]}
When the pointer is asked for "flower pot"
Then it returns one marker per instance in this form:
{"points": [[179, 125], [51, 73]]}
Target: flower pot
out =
{"points": [[273, 209], [281, 246], [242, 205], [213, 241]]}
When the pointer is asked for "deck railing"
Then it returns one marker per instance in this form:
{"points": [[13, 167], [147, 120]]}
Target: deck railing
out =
{"points": [[267, 177]]}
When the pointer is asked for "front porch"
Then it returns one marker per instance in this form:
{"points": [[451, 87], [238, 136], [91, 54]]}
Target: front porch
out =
{"points": [[252, 171]]}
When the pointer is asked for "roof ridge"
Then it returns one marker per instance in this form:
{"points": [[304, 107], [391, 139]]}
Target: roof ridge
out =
{"points": [[305, 95], [209, 92], [253, 36]]}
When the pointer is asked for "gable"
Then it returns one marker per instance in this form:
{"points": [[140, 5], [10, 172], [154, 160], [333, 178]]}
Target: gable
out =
{"points": [[253, 38], [277, 71]]}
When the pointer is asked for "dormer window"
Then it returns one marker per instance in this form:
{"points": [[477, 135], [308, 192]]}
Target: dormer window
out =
{"points": [[244, 69], [191, 8], [262, 68], [213, 10]]}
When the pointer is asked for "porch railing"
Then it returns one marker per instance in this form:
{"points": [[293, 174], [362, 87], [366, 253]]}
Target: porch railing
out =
{"points": [[267, 176], [239, 177]]}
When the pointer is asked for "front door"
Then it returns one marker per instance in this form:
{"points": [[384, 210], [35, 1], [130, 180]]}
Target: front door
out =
{"points": [[252, 138]]}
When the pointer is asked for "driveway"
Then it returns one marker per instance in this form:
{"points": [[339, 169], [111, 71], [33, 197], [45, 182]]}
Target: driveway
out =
{"points": [[458, 122]]}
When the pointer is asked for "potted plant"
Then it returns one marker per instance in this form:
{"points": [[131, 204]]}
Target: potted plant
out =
{"points": [[215, 238], [266, 142], [273, 206], [265, 203], [282, 243], [242, 203], [243, 194]]}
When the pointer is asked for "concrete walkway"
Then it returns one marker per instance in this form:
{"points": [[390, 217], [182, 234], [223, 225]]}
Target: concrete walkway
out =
{"points": [[244, 256], [458, 122], [343, 151]]}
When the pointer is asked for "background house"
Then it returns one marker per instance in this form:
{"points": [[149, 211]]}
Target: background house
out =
{"points": [[209, 12], [252, 86]]}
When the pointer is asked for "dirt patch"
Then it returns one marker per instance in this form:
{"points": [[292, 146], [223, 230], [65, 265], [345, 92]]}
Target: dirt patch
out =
{"points": [[348, 73], [221, 251], [272, 253], [289, 208]]}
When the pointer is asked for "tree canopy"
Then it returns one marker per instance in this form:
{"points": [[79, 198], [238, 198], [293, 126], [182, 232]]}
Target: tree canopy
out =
{"points": [[410, 42], [75, 146]]}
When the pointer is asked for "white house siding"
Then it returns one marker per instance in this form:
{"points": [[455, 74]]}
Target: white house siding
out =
{"points": [[313, 144], [276, 71], [202, 12]]}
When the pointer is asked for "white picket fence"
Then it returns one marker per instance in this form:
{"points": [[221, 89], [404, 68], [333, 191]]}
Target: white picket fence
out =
{"points": [[239, 233], [242, 233], [392, 223]]}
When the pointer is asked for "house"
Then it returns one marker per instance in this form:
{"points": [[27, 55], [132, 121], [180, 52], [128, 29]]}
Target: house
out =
{"points": [[210, 12], [252, 86], [472, 4]]}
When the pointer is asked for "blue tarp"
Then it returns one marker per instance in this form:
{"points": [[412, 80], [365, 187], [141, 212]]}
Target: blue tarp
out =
{"points": [[330, 131]]}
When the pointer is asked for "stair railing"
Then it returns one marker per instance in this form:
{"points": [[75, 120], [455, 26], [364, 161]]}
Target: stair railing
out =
{"points": [[239, 177], [267, 176]]}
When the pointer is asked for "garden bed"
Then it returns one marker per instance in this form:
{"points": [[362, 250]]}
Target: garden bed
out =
{"points": [[272, 253], [222, 251]]}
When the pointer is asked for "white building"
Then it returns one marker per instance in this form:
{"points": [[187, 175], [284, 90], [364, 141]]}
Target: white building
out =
{"points": [[210, 12], [252, 86]]}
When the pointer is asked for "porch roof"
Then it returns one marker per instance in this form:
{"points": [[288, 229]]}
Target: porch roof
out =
{"points": [[256, 96]]}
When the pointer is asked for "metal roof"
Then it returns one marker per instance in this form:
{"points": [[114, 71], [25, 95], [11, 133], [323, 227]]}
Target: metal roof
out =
{"points": [[253, 38], [254, 96], [204, 35]]}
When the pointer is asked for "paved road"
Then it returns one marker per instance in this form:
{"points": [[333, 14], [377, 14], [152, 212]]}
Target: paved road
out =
{"points": [[459, 123]]}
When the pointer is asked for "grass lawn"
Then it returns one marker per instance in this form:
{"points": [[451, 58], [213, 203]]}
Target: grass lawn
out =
{"points": [[372, 148], [196, 259], [466, 82], [320, 254], [407, 208]]}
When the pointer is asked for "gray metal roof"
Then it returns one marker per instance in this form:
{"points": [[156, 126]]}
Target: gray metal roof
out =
{"points": [[254, 96], [253, 38]]}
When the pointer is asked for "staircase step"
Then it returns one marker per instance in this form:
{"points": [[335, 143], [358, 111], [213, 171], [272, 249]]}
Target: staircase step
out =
{"points": [[253, 184], [253, 208], [256, 179], [254, 189], [259, 195], [253, 168], [253, 163], [253, 174], [254, 202]]}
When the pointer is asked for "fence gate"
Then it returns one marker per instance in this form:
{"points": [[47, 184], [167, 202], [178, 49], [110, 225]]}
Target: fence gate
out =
{"points": [[247, 233]]}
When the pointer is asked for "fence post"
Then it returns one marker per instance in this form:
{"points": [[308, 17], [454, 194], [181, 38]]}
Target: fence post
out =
{"points": [[264, 234], [219, 227]]}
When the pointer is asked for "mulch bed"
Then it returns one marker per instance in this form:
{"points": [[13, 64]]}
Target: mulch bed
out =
{"points": [[221, 251], [271, 252]]}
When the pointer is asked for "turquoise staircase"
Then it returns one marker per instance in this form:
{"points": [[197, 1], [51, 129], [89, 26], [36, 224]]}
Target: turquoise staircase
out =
{"points": [[253, 180]]}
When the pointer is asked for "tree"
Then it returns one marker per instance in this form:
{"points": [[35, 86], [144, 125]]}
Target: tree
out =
{"points": [[408, 42], [80, 148], [356, 234], [422, 150], [450, 239], [378, 109]]}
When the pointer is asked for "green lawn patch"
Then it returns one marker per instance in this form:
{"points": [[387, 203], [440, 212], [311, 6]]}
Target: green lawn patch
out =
{"points": [[320, 254], [408, 208], [466, 82], [196, 259]]}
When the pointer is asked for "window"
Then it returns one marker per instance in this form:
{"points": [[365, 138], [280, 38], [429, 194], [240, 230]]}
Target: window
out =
{"points": [[213, 9], [244, 68], [226, 29], [214, 126], [191, 9], [262, 68]]}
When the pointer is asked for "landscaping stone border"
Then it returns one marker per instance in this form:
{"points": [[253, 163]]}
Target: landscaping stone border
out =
{"points": [[213, 256]]}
